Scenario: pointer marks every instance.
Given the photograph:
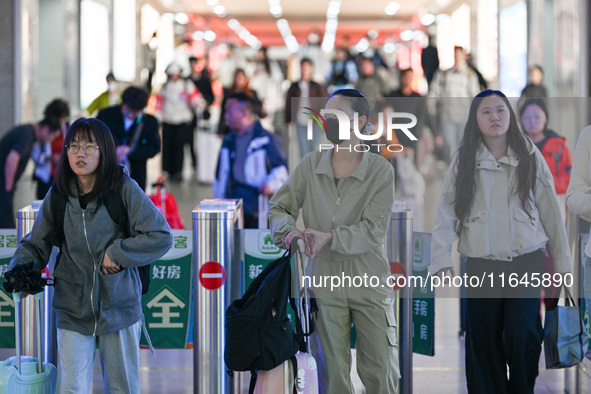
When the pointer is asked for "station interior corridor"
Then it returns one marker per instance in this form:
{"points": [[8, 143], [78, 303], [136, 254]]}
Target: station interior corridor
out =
{"points": [[170, 371]]}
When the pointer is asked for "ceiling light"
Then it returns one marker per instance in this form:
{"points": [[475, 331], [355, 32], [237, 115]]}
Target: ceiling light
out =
{"points": [[392, 8], [407, 35], [427, 19], [219, 10], [233, 24], [276, 10], [212, 2], [209, 36], [181, 18]]}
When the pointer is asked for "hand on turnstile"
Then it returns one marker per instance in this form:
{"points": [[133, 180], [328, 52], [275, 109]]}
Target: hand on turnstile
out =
{"points": [[446, 274], [292, 235], [318, 240]]}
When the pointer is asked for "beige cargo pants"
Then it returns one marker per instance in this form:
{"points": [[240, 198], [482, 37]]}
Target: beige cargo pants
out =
{"points": [[377, 347]]}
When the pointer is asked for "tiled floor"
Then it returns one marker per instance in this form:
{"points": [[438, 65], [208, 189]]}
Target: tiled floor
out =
{"points": [[171, 371]]}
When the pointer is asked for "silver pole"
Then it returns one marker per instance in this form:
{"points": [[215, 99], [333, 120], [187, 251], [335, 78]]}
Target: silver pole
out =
{"points": [[25, 220], [214, 225], [399, 250], [17, 324], [38, 300]]}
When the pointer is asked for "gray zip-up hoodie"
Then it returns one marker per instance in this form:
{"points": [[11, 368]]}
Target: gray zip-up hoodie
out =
{"points": [[86, 300]]}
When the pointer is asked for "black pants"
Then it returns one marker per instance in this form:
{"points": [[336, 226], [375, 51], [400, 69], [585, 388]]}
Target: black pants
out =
{"points": [[43, 188], [504, 332], [173, 141], [7, 219]]}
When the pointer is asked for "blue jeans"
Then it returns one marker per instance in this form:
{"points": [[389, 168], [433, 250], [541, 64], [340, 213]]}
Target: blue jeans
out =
{"points": [[452, 134], [306, 145], [119, 358]]}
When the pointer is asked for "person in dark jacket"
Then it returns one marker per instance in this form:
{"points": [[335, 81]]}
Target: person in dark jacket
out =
{"points": [[136, 133], [405, 99], [430, 60], [15, 151], [307, 92], [97, 285], [200, 77], [535, 87]]}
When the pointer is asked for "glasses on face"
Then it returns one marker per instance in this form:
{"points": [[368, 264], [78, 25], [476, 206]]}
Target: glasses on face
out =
{"points": [[88, 148]]}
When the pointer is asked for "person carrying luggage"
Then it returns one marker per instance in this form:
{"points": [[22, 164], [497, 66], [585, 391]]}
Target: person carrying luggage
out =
{"points": [[97, 286], [498, 198], [346, 196]]}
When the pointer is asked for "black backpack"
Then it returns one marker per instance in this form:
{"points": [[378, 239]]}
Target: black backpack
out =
{"points": [[257, 330], [114, 204]]}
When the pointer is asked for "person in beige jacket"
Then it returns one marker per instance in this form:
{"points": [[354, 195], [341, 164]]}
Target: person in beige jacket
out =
{"points": [[346, 199], [503, 217], [578, 199]]}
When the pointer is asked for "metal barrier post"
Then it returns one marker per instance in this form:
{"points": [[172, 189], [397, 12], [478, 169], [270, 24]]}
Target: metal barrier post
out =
{"points": [[215, 276], [400, 251], [25, 220]]}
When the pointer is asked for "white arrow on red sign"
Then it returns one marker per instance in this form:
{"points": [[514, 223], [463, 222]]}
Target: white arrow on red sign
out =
{"points": [[212, 275]]}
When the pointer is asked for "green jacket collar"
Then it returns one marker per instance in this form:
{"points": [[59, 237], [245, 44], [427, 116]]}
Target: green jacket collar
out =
{"points": [[325, 167]]}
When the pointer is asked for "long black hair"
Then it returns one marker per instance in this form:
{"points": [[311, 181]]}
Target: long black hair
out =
{"points": [[109, 173], [465, 182]]}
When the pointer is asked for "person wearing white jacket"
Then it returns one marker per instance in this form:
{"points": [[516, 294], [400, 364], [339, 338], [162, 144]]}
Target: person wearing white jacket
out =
{"points": [[176, 104], [578, 199], [498, 197]]}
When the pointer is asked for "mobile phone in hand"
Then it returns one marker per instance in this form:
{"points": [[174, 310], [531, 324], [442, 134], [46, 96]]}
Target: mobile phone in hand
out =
{"points": [[309, 243]]}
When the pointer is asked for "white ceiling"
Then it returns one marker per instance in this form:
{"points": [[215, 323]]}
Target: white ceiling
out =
{"points": [[356, 17], [310, 9]]}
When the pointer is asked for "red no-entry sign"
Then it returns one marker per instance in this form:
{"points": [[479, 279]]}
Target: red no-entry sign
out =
{"points": [[212, 275], [397, 270]]}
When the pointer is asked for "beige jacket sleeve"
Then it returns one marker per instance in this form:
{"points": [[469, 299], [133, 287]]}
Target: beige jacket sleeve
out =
{"points": [[550, 216], [446, 222], [284, 206]]}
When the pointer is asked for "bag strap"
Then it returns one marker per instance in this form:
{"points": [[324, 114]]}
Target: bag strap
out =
{"points": [[567, 296], [253, 381], [570, 301], [114, 204], [136, 134], [58, 207], [294, 367]]}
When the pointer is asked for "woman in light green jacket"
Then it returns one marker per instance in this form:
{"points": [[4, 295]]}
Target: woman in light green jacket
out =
{"points": [[346, 196]]}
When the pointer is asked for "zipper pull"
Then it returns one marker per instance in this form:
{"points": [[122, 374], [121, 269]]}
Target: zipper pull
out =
{"points": [[338, 203]]}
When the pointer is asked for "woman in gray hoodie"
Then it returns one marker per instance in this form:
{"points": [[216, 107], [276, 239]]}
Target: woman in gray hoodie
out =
{"points": [[97, 285]]}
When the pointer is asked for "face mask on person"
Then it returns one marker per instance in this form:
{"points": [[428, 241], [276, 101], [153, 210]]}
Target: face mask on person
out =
{"points": [[313, 39], [332, 131]]}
